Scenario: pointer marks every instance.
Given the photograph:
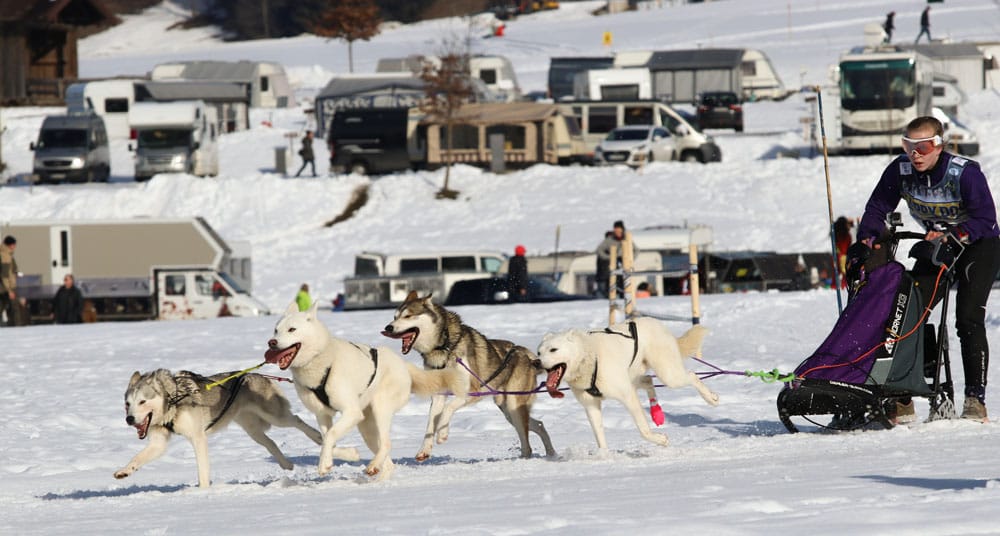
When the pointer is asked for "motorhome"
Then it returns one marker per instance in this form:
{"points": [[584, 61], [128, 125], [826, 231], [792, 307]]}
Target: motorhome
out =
{"points": [[598, 118], [562, 72], [71, 148], [110, 99], [267, 82], [175, 137], [383, 281], [135, 269], [612, 84]]}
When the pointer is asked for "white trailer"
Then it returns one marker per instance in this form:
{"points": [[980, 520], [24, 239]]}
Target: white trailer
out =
{"points": [[497, 73], [110, 99], [175, 137], [269, 85], [613, 84]]}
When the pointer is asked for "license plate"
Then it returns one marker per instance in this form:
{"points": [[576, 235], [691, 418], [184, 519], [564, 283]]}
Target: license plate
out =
{"points": [[615, 157], [58, 175]]}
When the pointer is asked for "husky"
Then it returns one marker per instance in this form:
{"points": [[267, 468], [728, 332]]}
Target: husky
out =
{"points": [[612, 364], [366, 385], [159, 404], [496, 365]]}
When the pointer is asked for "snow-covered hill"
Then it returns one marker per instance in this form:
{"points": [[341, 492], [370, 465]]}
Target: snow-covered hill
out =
{"points": [[729, 470]]}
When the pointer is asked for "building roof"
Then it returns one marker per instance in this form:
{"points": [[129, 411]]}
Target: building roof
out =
{"points": [[345, 86], [229, 71], [192, 90], [69, 12], [699, 58]]}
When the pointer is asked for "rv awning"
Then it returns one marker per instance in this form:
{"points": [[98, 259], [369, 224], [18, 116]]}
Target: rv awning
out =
{"points": [[696, 59], [494, 112], [197, 90], [347, 86]]}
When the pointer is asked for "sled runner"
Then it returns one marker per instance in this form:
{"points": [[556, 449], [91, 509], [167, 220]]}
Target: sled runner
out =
{"points": [[881, 349]]}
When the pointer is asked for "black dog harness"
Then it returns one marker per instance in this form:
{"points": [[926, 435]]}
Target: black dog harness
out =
{"points": [[634, 335], [234, 390], [503, 365], [446, 347], [320, 390]]}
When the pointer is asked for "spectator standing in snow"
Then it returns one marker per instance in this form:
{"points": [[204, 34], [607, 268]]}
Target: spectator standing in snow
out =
{"points": [[925, 25], [945, 192], [842, 237], [306, 152], [517, 275], [302, 299], [67, 305], [889, 25], [8, 279]]}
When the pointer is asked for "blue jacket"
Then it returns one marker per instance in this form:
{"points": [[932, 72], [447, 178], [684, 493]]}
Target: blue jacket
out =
{"points": [[976, 201]]}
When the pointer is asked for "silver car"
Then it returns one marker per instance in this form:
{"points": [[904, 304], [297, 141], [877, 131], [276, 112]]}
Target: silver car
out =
{"points": [[635, 145]]}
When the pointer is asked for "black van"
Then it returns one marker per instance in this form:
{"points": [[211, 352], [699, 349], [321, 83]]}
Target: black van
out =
{"points": [[369, 141]]}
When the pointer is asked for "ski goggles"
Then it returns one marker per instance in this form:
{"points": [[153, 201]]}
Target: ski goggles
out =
{"points": [[923, 146]]}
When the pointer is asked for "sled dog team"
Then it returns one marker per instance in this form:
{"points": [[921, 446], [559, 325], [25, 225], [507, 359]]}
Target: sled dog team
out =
{"points": [[368, 385]]}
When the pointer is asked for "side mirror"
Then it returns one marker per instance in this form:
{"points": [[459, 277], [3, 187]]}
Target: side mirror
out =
{"points": [[196, 146], [501, 296], [682, 130], [31, 146]]}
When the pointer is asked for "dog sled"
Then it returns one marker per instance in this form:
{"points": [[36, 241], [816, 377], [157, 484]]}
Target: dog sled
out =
{"points": [[882, 348]]}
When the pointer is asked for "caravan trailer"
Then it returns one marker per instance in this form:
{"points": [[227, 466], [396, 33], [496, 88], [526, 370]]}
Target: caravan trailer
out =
{"points": [[612, 84], [110, 99], [268, 84], [497, 73]]}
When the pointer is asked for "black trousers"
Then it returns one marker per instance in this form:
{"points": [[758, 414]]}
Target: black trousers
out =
{"points": [[975, 271]]}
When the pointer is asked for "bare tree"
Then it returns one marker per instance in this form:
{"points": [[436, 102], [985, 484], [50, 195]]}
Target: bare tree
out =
{"points": [[349, 20], [447, 87]]}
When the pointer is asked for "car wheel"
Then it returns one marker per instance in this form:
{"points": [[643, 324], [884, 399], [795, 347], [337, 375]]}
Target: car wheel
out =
{"points": [[690, 156], [739, 128], [141, 178]]}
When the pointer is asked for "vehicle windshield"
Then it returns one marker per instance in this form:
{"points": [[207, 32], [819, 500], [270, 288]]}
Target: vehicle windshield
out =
{"points": [[877, 85], [630, 134], [232, 283], [161, 138], [62, 137], [719, 99]]}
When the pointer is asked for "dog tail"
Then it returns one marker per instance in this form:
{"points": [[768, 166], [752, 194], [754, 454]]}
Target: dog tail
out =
{"points": [[690, 342], [429, 382]]}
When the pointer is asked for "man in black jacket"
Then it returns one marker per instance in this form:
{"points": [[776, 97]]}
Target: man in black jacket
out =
{"points": [[517, 275], [68, 303]]}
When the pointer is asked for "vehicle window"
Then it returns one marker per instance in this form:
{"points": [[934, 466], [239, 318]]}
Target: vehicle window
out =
{"points": [[416, 266], [203, 285], [938, 91], [463, 137], [488, 76], [572, 125], [669, 122], [490, 264], [661, 133], [748, 68], [163, 138], [174, 285], [265, 84], [115, 105], [627, 134], [513, 135], [622, 92], [62, 138], [363, 266], [466, 263], [638, 115], [602, 119]]}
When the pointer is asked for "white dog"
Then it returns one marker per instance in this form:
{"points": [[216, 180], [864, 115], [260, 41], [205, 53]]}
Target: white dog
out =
{"points": [[366, 385], [613, 363]]}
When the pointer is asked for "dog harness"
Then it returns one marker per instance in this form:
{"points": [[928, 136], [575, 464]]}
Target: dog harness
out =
{"points": [[634, 335], [447, 348], [320, 390], [233, 391], [503, 365]]}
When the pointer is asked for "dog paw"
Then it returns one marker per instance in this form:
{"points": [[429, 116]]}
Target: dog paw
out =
{"points": [[442, 436], [371, 470], [122, 474], [324, 468], [659, 439], [714, 400], [286, 465], [422, 456]]}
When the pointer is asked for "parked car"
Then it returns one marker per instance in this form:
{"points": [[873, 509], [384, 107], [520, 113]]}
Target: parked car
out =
{"points": [[72, 148], [720, 109], [635, 145], [494, 290]]}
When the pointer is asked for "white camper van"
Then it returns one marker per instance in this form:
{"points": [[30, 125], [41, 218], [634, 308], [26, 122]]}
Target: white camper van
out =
{"points": [[175, 137], [110, 99], [613, 84], [266, 82]]}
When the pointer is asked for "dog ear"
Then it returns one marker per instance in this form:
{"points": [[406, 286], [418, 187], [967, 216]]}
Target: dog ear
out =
{"points": [[313, 309], [411, 296], [135, 378], [427, 298], [292, 308]]}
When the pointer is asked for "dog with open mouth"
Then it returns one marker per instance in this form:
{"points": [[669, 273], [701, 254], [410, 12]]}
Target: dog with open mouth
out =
{"points": [[613, 363], [490, 365], [159, 404], [367, 386]]}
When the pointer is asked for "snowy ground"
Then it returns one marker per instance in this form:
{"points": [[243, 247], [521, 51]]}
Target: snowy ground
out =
{"points": [[728, 470]]}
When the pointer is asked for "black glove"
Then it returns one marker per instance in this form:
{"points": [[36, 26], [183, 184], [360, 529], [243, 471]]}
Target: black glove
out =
{"points": [[857, 254]]}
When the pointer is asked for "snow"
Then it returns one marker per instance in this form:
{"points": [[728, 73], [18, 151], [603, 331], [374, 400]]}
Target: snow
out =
{"points": [[728, 470]]}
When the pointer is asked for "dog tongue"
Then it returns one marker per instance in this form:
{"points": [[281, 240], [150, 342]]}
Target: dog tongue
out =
{"points": [[271, 355], [552, 382]]}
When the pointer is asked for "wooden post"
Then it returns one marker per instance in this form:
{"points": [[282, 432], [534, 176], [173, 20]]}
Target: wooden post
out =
{"points": [[693, 284], [627, 264], [612, 283]]}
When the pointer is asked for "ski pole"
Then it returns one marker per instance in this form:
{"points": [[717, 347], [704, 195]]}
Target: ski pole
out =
{"points": [[829, 200]]}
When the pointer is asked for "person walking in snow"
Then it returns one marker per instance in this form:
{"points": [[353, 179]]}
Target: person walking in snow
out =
{"points": [[925, 25], [945, 192], [889, 25], [306, 152]]}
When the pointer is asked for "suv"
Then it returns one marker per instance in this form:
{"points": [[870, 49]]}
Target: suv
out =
{"points": [[635, 145], [720, 109], [369, 140]]}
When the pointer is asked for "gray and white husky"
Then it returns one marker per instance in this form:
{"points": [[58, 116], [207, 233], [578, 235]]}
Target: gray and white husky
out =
{"points": [[159, 404], [442, 338]]}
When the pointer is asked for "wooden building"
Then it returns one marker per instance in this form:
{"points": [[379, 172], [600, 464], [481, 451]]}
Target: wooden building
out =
{"points": [[38, 46]]}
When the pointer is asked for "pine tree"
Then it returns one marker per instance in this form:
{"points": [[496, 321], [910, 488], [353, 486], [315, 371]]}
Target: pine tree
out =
{"points": [[349, 20]]}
